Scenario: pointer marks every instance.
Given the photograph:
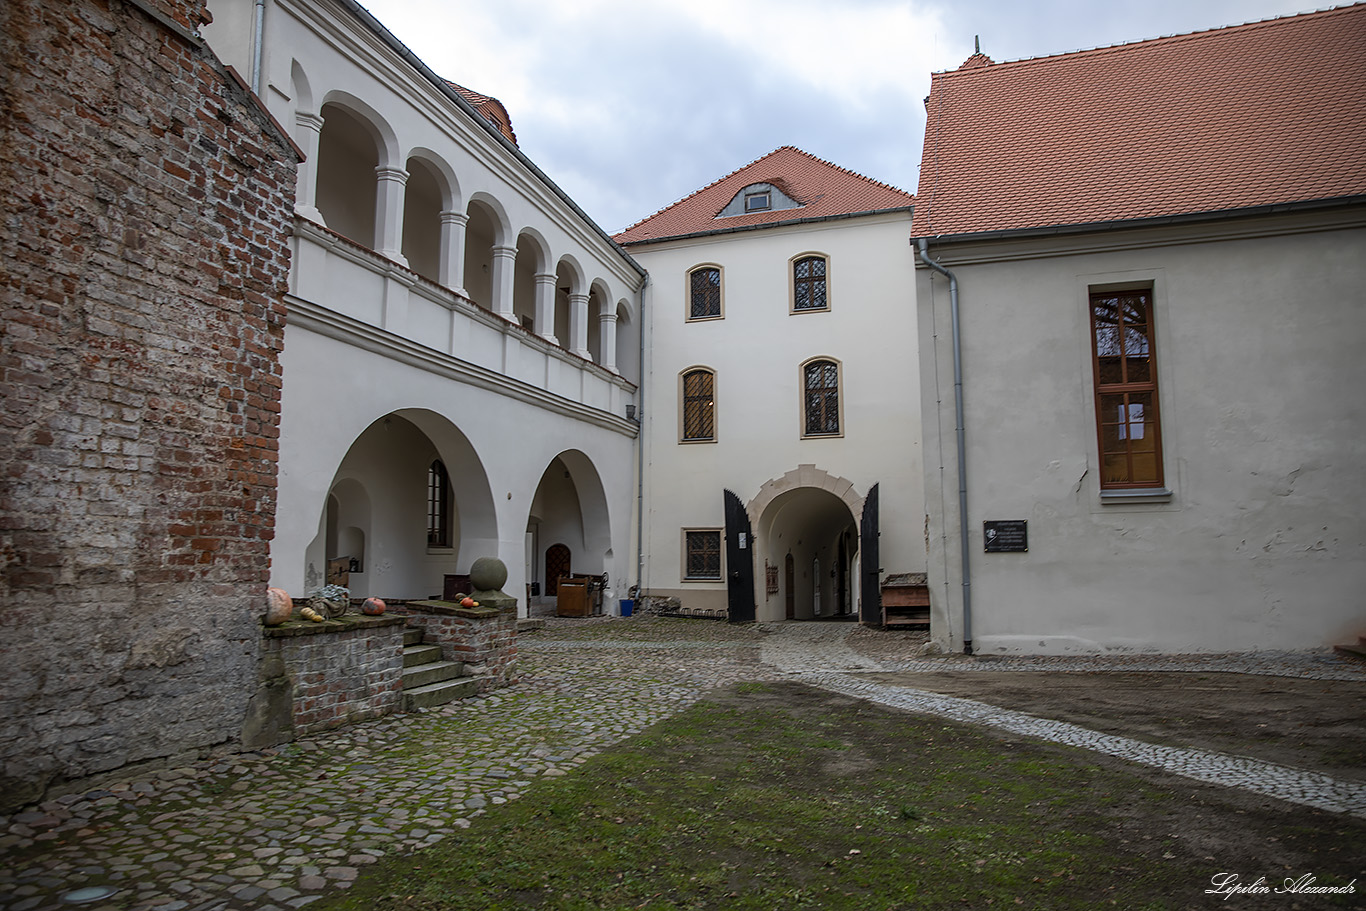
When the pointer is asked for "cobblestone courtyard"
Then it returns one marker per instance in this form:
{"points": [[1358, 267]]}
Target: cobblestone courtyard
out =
{"points": [[277, 829]]}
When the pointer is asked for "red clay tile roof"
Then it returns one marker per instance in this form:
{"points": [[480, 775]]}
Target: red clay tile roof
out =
{"points": [[1251, 115], [822, 188], [492, 109]]}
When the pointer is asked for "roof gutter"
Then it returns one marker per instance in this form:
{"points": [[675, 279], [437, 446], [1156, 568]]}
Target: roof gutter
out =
{"points": [[398, 47], [1184, 218], [768, 224], [924, 250]]}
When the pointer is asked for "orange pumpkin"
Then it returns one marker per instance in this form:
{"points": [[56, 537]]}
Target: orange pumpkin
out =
{"points": [[279, 606]]}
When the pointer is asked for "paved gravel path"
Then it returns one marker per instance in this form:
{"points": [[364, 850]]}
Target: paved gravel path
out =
{"points": [[276, 829]]}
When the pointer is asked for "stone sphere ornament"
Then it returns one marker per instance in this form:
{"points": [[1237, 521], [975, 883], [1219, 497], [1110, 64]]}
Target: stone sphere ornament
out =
{"points": [[487, 574], [279, 606], [372, 607]]}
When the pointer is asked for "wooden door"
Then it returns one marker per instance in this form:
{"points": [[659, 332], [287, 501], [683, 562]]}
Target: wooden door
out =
{"points": [[556, 565], [870, 574], [739, 561]]}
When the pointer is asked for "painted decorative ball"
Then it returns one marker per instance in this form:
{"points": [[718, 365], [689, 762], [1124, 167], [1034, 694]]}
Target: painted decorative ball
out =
{"points": [[372, 607], [487, 574], [279, 606]]}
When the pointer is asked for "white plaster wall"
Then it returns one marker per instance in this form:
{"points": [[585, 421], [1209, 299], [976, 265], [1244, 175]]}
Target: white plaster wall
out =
{"points": [[1259, 349], [756, 351], [334, 390]]}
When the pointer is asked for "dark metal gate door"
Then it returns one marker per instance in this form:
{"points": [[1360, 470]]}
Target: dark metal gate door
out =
{"points": [[870, 573], [739, 561]]}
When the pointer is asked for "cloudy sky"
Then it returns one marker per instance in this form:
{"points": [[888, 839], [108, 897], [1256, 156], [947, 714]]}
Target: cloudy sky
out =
{"points": [[630, 105]]}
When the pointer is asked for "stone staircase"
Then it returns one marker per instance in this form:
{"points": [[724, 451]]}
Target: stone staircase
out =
{"points": [[1357, 651], [428, 680]]}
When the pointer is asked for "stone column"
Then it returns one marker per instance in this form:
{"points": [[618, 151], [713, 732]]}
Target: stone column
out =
{"points": [[389, 213], [578, 325], [451, 271], [607, 339], [309, 130], [545, 307], [504, 271]]}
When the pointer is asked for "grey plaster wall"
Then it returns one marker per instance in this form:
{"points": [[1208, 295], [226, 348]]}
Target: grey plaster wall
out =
{"points": [[1260, 331]]}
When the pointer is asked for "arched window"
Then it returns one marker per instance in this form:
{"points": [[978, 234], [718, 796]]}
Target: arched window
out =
{"points": [[698, 407], [704, 293], [808, 284], [821, 398], [438, 505]]}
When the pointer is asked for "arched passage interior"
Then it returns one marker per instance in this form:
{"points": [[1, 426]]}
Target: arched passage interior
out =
{"points": [[409, 503], [568, 528], [809, 546]]}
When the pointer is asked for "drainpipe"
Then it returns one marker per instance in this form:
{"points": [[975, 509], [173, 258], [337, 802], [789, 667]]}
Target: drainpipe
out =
{"points": [[640, 444], [924, 248], [258, 33]]}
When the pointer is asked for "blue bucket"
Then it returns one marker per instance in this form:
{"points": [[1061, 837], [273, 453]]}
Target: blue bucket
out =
{"points": [[627, 605]]}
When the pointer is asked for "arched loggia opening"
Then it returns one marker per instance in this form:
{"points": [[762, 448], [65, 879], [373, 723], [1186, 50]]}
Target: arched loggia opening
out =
{"points": [[385, 530], [568, 531], [349, 151]]}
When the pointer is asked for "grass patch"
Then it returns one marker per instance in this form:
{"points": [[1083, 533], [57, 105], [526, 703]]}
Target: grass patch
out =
{"points": [[786, 797]]}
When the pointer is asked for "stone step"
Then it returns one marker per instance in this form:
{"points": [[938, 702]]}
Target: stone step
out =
{"points": [[420, 654], [433, 694], [1352, 651], [435, 672], [412, 635]]}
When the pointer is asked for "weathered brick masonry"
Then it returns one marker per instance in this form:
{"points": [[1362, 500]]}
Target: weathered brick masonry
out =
{"points": [[146, 199], [337, 672]]}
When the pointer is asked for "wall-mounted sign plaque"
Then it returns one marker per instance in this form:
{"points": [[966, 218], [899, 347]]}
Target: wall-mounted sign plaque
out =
{"points": [[1006, 536]]}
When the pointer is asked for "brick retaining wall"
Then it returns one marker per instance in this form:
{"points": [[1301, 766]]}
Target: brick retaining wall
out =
{"points": [[340, 671]]}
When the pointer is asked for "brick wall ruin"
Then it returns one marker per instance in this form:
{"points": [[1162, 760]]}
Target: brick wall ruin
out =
{"points": [[147, 199]]}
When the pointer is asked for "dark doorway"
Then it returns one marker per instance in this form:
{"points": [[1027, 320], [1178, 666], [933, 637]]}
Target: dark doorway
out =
{"points": [[870, 574], [739, 561], [556, 565], [842, 579], [790, 586]]}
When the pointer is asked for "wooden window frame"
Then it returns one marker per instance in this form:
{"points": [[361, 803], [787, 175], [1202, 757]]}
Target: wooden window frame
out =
{"points": [[684, 542], [839, 397], [720, 293], [438, 505], [683, 402], [794, 282], [1151, 414]]}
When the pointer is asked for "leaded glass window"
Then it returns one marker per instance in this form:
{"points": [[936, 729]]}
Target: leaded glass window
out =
{"points": [[821, 386], [699, 405], [703, 554], [705, 293], [808, 283], [438, 505]]}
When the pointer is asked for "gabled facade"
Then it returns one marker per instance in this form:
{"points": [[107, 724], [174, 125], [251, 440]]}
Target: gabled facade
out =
{"points": [[782, 403], [1157, 254]]}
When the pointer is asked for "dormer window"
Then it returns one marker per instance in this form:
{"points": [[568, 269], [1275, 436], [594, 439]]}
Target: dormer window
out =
{"points": [[758, 197]]}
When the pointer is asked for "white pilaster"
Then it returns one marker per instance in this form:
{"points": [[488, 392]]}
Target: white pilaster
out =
{"points": [[389, 213], [578, 325], [308, 131], [451, 271], [607, 340], [504, 268], [545, 306]]}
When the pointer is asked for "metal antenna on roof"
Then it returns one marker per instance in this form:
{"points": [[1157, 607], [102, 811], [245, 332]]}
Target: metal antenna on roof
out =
{"points": [[977, 44]]}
